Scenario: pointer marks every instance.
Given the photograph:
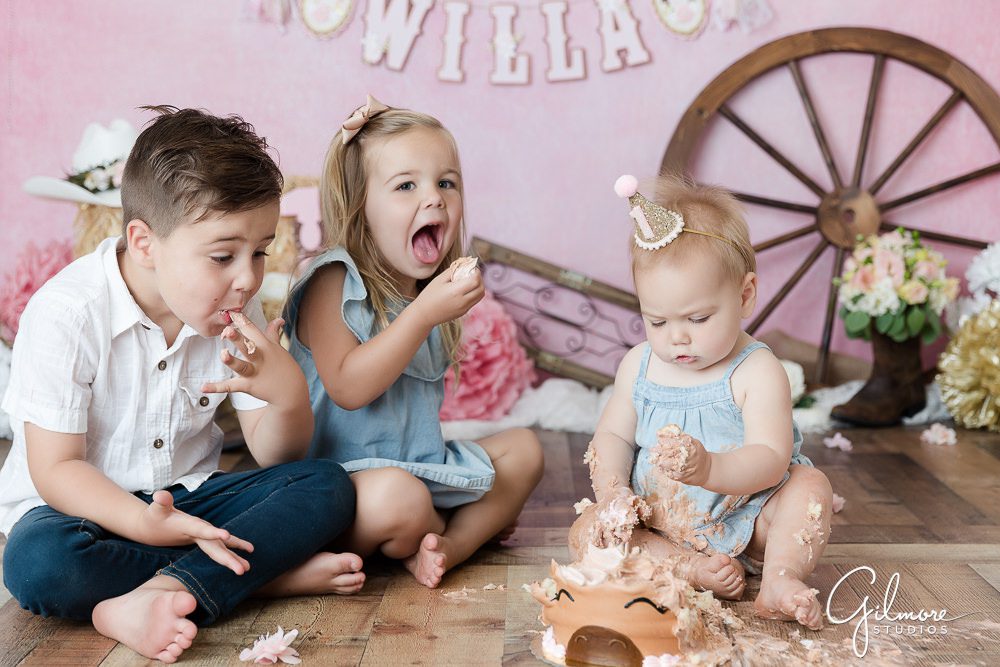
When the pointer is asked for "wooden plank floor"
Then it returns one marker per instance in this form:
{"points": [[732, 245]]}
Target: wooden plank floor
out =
{"points": [[930, 513]]}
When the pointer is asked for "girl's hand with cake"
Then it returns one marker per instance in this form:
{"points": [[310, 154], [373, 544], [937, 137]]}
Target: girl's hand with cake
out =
{"points": [[681, 457]]}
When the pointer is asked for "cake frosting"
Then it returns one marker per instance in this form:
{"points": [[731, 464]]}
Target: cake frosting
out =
{"points": [[464, 267], [617, 605]]}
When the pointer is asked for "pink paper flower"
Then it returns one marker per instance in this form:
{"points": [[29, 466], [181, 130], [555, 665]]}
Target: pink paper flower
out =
{"points": [[494, 368], [269, 649], [938, 434], [838, 442], [34, 267], [838, 503]]}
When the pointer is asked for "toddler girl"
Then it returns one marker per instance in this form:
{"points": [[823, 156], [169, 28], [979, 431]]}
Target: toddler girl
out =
{"points": [[374, 325], [729, 487]]}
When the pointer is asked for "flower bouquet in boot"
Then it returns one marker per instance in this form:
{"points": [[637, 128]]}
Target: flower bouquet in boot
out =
{"points": [[892, 291]]}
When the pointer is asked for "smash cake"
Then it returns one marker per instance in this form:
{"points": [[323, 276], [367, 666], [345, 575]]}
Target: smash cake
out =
{"points": [[617, 605]]}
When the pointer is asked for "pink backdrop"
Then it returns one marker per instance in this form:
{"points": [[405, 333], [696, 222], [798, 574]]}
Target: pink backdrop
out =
{"points": [[539, 159]]}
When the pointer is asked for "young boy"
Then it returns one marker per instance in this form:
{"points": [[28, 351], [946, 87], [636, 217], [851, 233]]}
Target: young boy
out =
{"points": [[111, 498]]}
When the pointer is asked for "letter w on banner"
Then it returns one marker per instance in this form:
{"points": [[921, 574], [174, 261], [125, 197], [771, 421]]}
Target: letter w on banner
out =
{"points": [[391, 27]]}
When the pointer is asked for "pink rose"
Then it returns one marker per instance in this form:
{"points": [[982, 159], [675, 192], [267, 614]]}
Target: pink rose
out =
{"points": [[33, 269], [913, 291], [495, 369], [864, 279], [927, 270], [888, 263]]}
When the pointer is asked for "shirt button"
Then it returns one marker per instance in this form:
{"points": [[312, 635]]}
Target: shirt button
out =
{"points": [[157, 444], [162, 365], [203, 401]]}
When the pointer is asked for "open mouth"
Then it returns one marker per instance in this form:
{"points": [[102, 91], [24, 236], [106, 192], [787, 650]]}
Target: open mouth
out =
{"points": [[426, 243], [227, 314]]}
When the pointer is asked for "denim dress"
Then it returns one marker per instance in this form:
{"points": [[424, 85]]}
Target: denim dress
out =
{"points": [[400, 428], [691, 516]]}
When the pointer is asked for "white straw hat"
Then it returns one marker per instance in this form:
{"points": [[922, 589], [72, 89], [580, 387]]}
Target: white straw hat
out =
{"points": [[97, 166]]}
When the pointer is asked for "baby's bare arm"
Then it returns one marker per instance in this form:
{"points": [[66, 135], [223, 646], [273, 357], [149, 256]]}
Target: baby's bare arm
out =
{"points": [[760, 387], [612, 450]]}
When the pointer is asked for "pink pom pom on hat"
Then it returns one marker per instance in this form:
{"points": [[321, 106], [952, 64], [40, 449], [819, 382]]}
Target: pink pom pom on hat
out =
{"points": [[626, 186]]}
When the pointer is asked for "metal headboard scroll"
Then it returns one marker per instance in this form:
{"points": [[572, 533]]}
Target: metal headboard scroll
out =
{"points": [[571, 325]]}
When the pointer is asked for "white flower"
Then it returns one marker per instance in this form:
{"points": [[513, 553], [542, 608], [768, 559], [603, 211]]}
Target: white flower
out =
{"points": [[269, 649], [984, 270], [796, 379], [938, 434]]}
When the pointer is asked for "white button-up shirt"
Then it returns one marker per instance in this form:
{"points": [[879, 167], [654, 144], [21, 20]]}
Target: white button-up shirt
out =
{"points": [[88, 360]]}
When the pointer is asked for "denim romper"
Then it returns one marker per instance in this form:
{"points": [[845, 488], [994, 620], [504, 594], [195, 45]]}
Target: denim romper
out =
{"points": [[401, 427], [690, 515]]}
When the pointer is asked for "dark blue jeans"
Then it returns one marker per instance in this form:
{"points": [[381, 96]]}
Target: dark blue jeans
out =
{"points": [[59, 565]]}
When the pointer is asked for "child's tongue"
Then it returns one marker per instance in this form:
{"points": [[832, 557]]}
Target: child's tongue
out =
{"points": [[424, 247]]}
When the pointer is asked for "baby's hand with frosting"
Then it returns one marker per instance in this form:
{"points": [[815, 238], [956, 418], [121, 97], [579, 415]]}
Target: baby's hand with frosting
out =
{"points": [[681, 457], [617, 513]]}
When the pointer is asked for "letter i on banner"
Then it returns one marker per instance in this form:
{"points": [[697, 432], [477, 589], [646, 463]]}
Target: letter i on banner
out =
{"points": [[509, 66], [454, 38], [561, 67], [620, 32], [390, 31]]}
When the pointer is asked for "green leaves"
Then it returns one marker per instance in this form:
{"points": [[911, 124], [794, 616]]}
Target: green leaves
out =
{"points": [[907, 322], [858, 324]]}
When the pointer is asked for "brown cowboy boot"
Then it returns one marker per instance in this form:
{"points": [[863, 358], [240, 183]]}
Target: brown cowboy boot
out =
{"points": [[894, 390]]}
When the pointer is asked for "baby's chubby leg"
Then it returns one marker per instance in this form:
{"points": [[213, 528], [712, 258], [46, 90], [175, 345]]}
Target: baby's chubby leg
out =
{"points": [[791, 533], [518, 461]]}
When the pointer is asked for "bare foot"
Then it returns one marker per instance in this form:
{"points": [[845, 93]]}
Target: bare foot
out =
{"points": [[504, 534], [150, 621], [430, 562], [786, 598], [323, 573], [719, 573]]}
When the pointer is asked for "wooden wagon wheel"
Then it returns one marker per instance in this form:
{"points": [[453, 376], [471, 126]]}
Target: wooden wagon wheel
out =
{"points": [[849, 208]]}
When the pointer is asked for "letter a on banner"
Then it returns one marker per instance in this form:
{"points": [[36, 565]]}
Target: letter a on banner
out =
{"points": [[620, 32], [390, 31], [509, 66], [454, 38], [561, 67]]}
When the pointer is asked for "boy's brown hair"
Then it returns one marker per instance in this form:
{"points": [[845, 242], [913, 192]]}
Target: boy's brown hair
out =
{"points": [[188, 163], [705, 208]]}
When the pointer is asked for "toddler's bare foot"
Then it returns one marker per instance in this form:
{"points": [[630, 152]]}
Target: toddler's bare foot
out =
{"points": [[428, 565], [719, 573], [323, 573], [785, 598], [150, 621]]}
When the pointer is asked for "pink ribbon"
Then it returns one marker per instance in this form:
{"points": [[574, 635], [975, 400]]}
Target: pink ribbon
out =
{"points": [[361, 116]]}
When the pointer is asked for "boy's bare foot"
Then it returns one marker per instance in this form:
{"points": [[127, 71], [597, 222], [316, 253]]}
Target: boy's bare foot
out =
{"points": [[323, 573], [428, 565], [150, 621], [786, 598], [719, 573]]}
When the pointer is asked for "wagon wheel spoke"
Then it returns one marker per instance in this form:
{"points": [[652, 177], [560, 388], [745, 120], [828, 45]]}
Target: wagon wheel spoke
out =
{"points": [[785, 238], [866, 127], [941, 187], [776, 203], [822, 361], [731, 116], [938, 236], [916, 141], [807, 102], [792, 281]]}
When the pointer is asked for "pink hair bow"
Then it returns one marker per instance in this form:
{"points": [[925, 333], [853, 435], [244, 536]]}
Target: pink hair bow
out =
{"points": [[361, 116]]}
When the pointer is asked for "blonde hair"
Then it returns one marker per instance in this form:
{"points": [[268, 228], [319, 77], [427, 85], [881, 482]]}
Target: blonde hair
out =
{"points": [[343, 192], [705, 208]]}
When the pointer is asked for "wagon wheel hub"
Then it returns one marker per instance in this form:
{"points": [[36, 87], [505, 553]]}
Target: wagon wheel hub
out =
{"points": [[845, 213]]}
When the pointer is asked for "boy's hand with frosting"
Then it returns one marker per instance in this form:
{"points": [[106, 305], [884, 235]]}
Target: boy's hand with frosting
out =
{"points": [[266, 371], [681, 457]]}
